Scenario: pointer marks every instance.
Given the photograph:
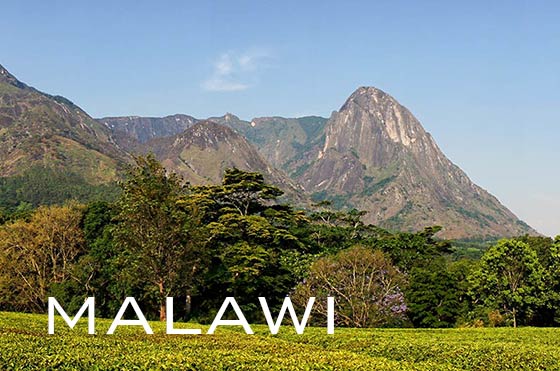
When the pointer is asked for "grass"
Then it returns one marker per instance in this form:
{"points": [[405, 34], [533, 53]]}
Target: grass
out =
{"points": [[25, 345]]}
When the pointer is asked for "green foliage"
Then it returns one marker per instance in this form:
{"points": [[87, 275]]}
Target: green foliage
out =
{"points": [[162, 237], [24, 345], [511, 279], [543, 246], [155, 231], [437, 293], [38, 257], [103, 263], [549, 313], [408, 250], [250, 244], [331, 231], [470, 249], [48, 186], [339, 202]]}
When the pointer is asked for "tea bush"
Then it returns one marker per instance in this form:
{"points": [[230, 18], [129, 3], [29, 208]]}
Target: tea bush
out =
{"points": [[25, 345]]}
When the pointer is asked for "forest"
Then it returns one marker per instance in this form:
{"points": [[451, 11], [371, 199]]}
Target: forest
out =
{"points": [[161, 237]]}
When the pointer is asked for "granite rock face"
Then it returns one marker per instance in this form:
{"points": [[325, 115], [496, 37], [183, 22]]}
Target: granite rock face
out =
{"points": [[376, 156]]}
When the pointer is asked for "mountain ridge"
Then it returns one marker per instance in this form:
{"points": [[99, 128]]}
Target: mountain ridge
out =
{"points": [[371, 154], [203, 151], [50, 131]]}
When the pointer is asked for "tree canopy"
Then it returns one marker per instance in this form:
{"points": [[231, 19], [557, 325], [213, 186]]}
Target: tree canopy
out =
{"points": [[162, 237]]}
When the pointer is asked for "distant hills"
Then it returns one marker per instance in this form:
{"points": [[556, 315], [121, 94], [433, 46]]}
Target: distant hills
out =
{"points": [[372, 154]]}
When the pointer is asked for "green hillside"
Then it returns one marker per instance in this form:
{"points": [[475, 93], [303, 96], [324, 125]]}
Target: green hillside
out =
{"points": [[51, 150]]}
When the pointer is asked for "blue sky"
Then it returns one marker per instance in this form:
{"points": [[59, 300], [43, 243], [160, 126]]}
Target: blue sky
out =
{"points": [[482, 76]]}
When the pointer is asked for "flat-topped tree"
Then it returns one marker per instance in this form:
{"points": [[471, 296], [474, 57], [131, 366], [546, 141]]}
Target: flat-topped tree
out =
{"points": [[248, 238], [247, 191]]}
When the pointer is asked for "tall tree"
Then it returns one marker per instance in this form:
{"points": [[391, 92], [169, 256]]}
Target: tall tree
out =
{"points": [[249, 239], [156, 231], [550, 315], [39, 253], [436, 294], [510, 278], [102, 263]]}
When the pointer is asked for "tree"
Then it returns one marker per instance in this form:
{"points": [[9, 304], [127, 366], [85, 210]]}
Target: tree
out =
{"points": [[436, 294], [365, 284], [103, 261], [510, 278], [331, 231], [550, 312], [156, 231], [37, 254], [543, 246], [245, 192], [408, 250], [249, 240]]}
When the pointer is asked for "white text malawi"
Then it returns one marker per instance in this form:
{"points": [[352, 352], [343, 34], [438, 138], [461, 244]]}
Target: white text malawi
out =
{"points": [[274, 326]]}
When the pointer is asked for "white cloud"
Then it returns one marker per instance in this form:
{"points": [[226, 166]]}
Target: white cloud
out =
{"points": [[235, 71]]}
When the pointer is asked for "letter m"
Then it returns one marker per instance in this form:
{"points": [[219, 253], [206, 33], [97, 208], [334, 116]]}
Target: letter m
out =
{"points": [[89, 305]]}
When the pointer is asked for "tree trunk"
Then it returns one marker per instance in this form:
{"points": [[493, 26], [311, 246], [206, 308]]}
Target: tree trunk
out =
{"points": [[188, 303], [162, 307], [514, 318]]}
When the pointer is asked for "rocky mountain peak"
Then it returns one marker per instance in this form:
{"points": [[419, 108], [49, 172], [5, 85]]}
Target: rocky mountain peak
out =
{"points": [[142, 129], [209, 134], [377, 156], [44, 131], [201, 153], [372, 154], [230, 117], [366, 95], [382, 113], [374, 127], [8, 78]]}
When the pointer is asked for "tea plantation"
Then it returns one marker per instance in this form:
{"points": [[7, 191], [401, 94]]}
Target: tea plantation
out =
{"points": [[25, 345]]}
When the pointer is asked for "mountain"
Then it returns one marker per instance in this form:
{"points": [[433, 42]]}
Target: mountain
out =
{"points": [[284, 142], [130, 132], [372, 154], [202, 152], [41, 130], [376, 156]]}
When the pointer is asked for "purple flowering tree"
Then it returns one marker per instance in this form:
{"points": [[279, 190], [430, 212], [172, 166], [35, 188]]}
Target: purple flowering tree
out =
{"points": [[365, 284]]}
